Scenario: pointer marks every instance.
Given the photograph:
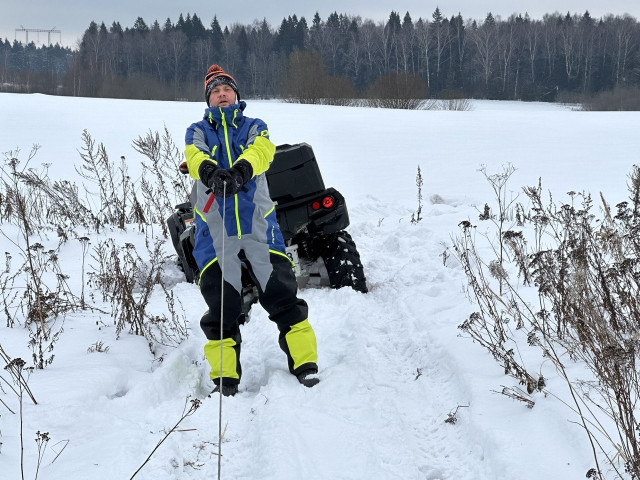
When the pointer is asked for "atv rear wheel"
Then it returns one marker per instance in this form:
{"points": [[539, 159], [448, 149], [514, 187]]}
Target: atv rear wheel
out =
{"points": [[342, 260]]}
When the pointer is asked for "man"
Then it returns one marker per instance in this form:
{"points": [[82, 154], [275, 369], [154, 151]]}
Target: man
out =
{"points": [[228, 154]]}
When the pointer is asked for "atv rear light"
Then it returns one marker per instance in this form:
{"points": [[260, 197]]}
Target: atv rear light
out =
{"points": [[327, 202]]}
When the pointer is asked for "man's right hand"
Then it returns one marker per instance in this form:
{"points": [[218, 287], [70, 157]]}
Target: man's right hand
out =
{"points": [[207, 172]]}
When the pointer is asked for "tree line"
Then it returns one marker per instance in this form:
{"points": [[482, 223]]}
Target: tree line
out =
{"points": [[514, 58]]}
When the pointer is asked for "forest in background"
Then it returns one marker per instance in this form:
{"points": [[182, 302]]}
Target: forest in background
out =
{"points": [[556, 58]]}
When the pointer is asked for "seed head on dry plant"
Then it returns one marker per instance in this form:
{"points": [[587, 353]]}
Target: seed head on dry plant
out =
{"points": [[586, 275], [42, 440]]}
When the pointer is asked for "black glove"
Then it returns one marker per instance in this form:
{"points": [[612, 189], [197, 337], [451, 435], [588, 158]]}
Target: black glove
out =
{"points": [[206, 171], [234, 177]]}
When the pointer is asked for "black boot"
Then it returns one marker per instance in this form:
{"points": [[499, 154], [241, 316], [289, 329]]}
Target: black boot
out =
{"points": [[227, 390], [308, 378]]}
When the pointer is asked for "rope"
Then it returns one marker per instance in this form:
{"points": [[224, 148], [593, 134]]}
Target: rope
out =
{"points": [[224, 200]]}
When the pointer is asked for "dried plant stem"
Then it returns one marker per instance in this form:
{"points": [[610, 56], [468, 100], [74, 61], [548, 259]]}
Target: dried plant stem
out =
{"points": [[17, 376], [195, 404]]}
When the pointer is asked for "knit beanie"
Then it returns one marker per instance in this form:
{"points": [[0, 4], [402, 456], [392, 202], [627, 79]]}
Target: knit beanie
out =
{"points": [[216, 76]]}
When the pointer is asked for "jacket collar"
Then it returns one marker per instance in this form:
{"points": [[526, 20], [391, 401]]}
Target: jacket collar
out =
{"points": [[232, 114]]}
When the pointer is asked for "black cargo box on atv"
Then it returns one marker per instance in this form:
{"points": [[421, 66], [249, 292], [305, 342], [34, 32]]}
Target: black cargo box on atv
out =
{"points": [[294, 173], [295, 186]]}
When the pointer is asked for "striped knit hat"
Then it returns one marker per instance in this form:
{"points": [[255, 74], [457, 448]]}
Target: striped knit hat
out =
{"points": [[216, 76]]}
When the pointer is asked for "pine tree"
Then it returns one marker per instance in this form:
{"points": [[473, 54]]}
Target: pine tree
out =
{"points": [[286, 37], [317, 22], [140, 26], [243, 45], [197, 28], [302, 34], [116, 29], [180, 24], [407, 23], [437, 16], [217, 37], [393, 25]]}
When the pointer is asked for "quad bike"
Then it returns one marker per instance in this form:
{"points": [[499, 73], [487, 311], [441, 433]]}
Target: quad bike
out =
{"points": [[312, 220]]}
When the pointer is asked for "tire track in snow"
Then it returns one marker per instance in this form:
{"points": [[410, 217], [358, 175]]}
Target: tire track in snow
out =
{"points": [[427, 386]]}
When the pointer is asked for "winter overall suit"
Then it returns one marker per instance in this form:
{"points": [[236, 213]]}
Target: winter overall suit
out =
{"points": [[251, 231]]}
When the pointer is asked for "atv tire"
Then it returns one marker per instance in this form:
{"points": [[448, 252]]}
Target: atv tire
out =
{"points": [[342, 260]]}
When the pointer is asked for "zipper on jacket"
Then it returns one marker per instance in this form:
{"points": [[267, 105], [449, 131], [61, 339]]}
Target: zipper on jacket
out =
{"points": [[226, 141]]}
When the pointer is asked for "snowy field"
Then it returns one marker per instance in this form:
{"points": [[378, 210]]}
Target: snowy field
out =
{"points": [[393, 364]]}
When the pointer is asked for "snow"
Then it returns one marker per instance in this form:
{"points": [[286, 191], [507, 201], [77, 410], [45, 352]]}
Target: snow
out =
{"points": [[393, 364]]}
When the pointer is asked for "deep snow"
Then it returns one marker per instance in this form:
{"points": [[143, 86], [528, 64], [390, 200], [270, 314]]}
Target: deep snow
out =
{"points": [[393, 363]]}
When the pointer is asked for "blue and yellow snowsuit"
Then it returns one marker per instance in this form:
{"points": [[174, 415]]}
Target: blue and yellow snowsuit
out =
{"points": [[225, 136]]}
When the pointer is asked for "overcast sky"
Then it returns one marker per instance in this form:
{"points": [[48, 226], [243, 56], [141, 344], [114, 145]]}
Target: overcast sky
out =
{"points": [[72, 17]]}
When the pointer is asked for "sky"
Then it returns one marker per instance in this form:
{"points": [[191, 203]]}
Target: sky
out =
{"points": [[72, 17]]}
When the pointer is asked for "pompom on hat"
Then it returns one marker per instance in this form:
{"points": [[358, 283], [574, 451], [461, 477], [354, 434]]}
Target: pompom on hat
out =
{"points": [[216, 76]]}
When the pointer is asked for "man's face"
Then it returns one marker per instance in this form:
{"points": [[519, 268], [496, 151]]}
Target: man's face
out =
{"points": [[222, 96]]}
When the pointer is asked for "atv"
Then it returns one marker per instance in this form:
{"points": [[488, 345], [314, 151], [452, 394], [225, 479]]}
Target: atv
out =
{"points": [[312, 220]]}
